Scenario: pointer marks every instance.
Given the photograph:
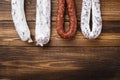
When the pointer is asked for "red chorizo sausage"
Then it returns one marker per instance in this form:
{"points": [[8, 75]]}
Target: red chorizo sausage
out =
{"points": [[60, 19]]}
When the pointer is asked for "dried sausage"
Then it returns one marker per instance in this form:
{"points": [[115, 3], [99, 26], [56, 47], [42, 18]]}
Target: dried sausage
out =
{"points": [[87, 7], [19, 20], [43, 22], [60, 19]]}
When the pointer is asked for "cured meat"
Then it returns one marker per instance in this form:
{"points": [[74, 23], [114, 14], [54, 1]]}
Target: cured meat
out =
{"points": [[19, 20], [43, 22], [60, 19], [88, 7]]}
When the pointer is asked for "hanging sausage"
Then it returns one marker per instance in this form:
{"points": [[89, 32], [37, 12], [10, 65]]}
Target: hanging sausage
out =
{"points": [[43, 22], [91, 7], [19, 19], [60, 19]]}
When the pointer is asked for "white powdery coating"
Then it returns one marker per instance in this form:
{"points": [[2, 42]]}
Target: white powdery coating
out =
{"points": [[42, 31], [19, 20], [87, 7]]}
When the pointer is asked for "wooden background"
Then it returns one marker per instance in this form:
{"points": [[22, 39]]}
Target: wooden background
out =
{"points": [[77, 59]]}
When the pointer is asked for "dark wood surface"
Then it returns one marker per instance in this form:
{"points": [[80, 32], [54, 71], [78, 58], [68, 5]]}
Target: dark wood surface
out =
{"points": [[76, 59]]}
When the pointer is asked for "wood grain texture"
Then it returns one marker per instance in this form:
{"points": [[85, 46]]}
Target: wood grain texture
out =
{"points": [[64, 63], [110, 35], [76, 59]]}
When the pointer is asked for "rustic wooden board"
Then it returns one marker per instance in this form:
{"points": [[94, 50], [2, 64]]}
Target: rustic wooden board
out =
{"points": [[76, 59], [9, 36], [60, 63]]}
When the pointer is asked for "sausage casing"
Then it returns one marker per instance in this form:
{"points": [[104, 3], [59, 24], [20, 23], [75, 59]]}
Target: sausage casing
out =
{"points": [[72, 19]]}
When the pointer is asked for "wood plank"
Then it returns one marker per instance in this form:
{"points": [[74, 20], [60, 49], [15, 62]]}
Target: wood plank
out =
{"points": [[109, 37], [64, 63], [110, 9], [104, 40], [108, 26]]}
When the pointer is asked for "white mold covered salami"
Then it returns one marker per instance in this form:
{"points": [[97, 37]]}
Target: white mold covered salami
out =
{"points": [[43, 22], [19, 20], [87, 7]]}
